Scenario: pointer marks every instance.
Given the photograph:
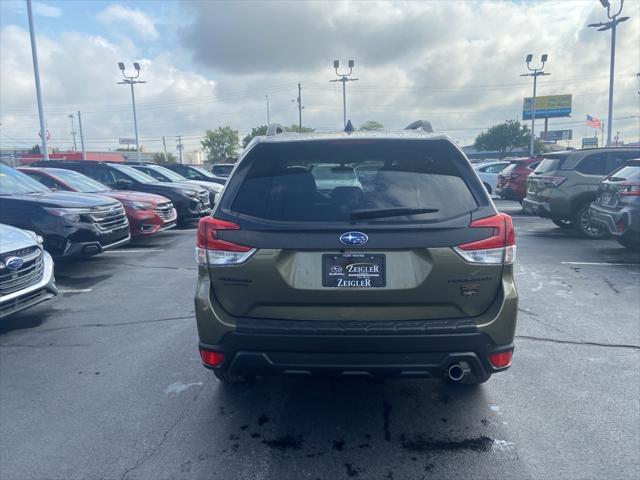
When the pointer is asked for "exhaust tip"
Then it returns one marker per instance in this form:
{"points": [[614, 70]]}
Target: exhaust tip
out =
{"points": [[455, 372]]}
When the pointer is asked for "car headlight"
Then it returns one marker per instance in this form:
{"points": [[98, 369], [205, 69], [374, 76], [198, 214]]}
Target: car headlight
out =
{"points": [[216, 197], [72, 214], [38, 238], [139, 205]]}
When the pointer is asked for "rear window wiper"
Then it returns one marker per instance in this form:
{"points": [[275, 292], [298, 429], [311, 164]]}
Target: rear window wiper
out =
{"points": [[389, 212]]}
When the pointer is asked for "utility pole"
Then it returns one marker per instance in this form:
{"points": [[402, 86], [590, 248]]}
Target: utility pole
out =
{"points": [[344, 78], [602, 27], [73, 133], [180, 146], [36, 74], [84, 153], [268, 119], [131, 80], [536, 73], [164, 147], [300, 108]]}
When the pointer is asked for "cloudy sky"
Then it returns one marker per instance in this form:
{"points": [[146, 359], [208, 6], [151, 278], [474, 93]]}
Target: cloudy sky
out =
{"points": [[210, 64]]}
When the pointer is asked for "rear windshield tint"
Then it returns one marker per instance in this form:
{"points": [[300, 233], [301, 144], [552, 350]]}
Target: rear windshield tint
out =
{"points": [[550, 163], [630, 173], [331, 181]]}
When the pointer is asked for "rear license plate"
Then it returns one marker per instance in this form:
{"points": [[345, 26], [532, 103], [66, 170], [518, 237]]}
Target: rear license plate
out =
{"points": [[353, 270]]}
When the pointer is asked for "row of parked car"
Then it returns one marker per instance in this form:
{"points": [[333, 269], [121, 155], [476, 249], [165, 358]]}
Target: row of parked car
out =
{"points": [[74, 209], [596, 191]]}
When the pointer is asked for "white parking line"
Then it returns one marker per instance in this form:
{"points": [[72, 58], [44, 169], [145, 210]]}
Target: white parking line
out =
{"points": [[74, 290], [140, 250], [603, 263]]}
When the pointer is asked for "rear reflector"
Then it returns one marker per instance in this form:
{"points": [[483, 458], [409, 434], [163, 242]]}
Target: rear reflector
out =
{"points": [[210, 358], [211, 250], [496, 249], [629, 188], [501, 360]]}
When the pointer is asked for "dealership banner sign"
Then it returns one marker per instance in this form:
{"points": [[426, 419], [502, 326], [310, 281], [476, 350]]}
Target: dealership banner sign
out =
{"points": [[552, 106]]}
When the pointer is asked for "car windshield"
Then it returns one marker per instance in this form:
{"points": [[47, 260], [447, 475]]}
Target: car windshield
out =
{"points": [[135, 174], [13, 182], [413, 181], [78, 181], [223, 170], [202, 171], [165, 173]]}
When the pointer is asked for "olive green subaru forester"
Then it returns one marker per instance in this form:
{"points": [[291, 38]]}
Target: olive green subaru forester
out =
{"points": [[376, 254]]}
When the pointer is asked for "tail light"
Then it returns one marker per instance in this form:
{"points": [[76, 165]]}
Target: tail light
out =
{"points": [[629, 188], [499, 248], [211, 358], [211, 250], [552, 182], [501, 360]]}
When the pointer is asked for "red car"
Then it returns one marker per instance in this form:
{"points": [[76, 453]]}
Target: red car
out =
{"points": [[512, 181], [147, 213]]}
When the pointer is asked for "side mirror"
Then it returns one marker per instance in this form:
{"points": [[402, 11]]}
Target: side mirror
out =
{"points": [[123, 184]]}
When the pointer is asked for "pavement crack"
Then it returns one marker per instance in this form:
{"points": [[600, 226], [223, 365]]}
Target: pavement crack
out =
{"points": [[118, 324], [611, 285], [575, 342], [147, 455], [534, 317]]}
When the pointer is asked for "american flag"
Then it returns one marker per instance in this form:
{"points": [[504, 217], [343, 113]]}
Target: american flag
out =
{"points": [[593, 122]]}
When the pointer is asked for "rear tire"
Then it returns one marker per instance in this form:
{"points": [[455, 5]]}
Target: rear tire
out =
{"points": [[583, 224], [226, 377], [487, 187], [629, 243], [562, 223]]}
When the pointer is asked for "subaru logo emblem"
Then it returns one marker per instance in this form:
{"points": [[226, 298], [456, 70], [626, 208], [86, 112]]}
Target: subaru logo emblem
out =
{"points": [[354, 238], [13, 263]]}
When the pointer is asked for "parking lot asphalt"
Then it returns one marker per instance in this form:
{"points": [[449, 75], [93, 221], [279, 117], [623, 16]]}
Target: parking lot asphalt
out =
{"points": [[105, 382]]}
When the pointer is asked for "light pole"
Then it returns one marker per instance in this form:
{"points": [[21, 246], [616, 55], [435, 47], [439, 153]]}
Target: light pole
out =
{"points": [[36, 74], [73, 132], [344, 78], [131, 80], [535, 73], [604, 26], [268, 119]]}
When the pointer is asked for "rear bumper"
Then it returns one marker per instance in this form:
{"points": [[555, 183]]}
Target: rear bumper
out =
{"points": [[618, 222], [508, 193], [541, 209], [372, 355]]}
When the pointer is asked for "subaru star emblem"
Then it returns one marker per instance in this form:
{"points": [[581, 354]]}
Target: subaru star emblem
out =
{"points": [[13, 263], [354, 238]]}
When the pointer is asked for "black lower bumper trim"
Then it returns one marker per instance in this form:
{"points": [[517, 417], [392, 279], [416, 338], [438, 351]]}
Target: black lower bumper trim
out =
{"points": [[399, 355]]}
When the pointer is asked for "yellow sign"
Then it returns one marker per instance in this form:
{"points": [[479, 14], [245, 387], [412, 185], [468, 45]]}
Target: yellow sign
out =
{"points": [[549, 106]]}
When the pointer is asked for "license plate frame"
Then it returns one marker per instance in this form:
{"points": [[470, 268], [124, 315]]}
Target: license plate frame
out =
{"points": [[360, 271]]}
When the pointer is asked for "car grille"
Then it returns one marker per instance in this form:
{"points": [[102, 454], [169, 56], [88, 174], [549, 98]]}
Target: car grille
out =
{"points": [[166, 211], [204, 198], [28, 274], [109, 218]]}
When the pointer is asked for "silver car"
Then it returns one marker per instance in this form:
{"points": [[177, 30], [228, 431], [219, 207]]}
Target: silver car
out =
{"points": [[26, 271]]}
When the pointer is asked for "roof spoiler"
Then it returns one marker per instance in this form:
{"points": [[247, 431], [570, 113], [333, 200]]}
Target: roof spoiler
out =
{"points": [[275, 129], [423, 125]]}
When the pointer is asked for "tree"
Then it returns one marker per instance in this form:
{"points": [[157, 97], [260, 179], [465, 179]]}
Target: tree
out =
{"points": [[504, 137], [255, 131], [371, 125], [159, 158], [296, 128], [221, 143], [35, 149]]}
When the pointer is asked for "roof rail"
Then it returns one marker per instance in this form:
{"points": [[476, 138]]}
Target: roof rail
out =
{"points": [[423, 125], [275, 129]]}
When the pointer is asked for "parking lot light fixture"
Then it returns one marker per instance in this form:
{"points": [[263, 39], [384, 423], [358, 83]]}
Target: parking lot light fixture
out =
{"points": [[344, 78], [132, 80], [603, 27], [535, 73]]}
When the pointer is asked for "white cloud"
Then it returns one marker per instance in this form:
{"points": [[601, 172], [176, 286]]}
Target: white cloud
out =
{"points": [[135, 19], [46, 10]]}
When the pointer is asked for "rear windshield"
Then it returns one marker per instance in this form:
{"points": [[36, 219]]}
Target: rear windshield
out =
{"points": [[630, 173], [550, 163], [346, 181]]}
